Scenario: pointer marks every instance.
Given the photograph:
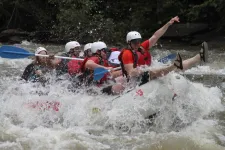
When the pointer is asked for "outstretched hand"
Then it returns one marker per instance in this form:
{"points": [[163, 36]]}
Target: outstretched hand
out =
{"points": [[174, 19], [110, 69]]}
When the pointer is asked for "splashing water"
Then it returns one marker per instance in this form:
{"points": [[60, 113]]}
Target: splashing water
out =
{"points": [[148, 117]]}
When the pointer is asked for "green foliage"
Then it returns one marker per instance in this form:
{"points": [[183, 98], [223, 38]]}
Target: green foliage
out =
{"points": [[90, 20]]}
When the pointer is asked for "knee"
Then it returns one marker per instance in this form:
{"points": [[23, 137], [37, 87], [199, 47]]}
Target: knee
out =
{"points": [[118, 88], [152, 75], [113, 89]]}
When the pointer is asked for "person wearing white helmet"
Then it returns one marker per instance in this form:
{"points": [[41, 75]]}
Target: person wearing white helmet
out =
{"points": [[130, 57], [111, 56], [133, 41], [41, 65], [87, 50], [98, 60], [72, 49]]}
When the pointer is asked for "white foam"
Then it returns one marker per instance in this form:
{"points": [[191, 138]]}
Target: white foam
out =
{"points": [[15, 63], [205, 70], [99, 122]]}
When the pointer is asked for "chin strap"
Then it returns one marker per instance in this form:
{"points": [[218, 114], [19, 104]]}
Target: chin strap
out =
{"points": [[135, 56], [131, 48]]}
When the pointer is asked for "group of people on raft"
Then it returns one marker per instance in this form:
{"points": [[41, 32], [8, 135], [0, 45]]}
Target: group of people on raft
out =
{"points": [[97, 55]]}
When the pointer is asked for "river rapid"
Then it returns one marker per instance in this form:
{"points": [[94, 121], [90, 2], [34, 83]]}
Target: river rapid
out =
{"points": [[195, 120]]}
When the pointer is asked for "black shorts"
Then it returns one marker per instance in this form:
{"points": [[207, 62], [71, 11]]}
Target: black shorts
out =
{"points": [[144, 78], [107, 90]]}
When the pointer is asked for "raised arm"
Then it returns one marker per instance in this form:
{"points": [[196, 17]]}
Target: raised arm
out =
{"points": [[161, 31]]}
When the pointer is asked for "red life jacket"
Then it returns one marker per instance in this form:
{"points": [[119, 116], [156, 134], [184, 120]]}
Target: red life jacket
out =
{"points": [[144, 58], [138, 57], [88, 74], [74, 66], [99, 61], [141, 58], [82, 68], [147, 58]]}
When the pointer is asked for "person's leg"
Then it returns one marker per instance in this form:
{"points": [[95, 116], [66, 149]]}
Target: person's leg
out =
{"points": [[117, 88], [202, 56], [178, 64], [113, 89], [154, 73], [188, 63], [182, 65]]}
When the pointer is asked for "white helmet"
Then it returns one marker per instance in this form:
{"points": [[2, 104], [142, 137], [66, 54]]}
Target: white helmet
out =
{"points": [[133, 35], [97, 46], [70, 45], [87, 46], [40, 49]]}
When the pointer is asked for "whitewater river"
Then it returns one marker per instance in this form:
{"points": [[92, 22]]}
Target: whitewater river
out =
{"points": [[194, 120]]}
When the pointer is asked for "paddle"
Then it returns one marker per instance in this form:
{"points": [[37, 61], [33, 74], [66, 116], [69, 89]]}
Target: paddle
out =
{"points": [[13, 52], [167, 58], [100, 72]]}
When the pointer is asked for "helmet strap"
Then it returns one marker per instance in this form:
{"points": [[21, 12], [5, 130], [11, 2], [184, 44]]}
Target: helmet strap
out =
{"points": [[129, 43], [85, 53]]}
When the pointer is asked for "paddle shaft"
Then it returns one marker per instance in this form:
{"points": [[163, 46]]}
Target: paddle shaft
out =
{"points": [[13, 52], [62, 57], [114, 69], [7, 51], [117, 68]]}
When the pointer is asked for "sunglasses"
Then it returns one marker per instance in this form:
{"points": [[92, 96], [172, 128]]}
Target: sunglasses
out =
{"points": [[136, 41], [105, 50]]}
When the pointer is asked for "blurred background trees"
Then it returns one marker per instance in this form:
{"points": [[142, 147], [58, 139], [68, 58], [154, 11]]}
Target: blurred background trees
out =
{"points": [[90, 20]]}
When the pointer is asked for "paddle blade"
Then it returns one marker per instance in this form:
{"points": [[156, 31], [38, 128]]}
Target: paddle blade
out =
{"points": [[13, 52], [167, 58], [99, 73]]}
